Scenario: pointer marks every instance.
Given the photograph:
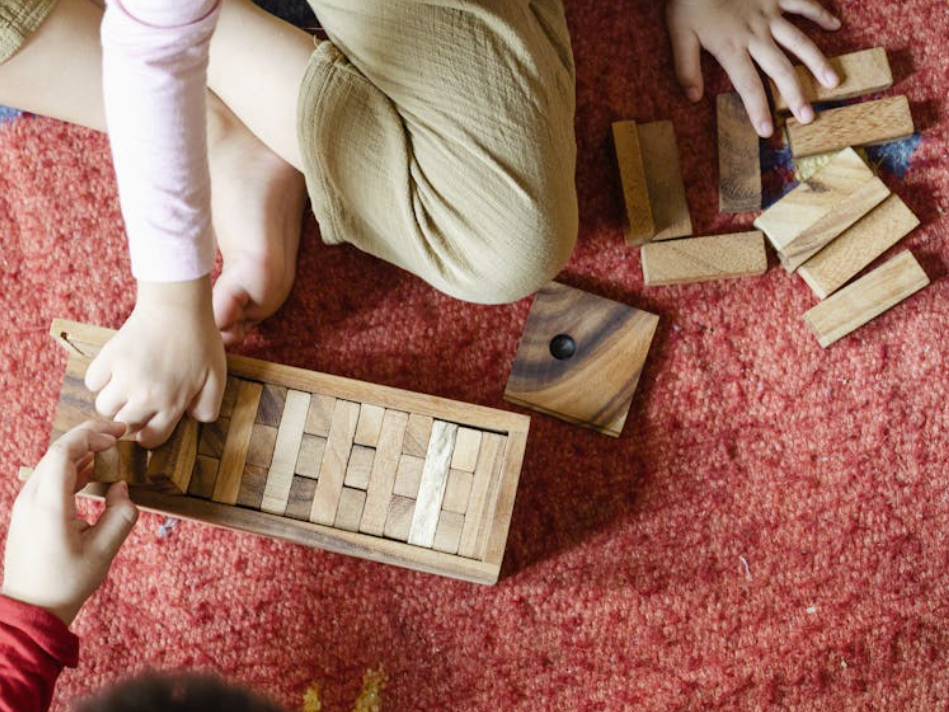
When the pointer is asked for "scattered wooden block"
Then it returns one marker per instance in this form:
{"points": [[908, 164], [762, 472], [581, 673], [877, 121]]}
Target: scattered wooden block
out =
{"points": [[431, 489], [448, 532], [408, 476], [234, 456], [351, 503], [863, 72], [700, 259], [360, 467], [467, 444], [670, 210], [339, 443], [399, 518], [384, 466], [639, 224], [301, 498], [739, 163], [310, 458], [868, 297], [286, 452], [865, 124], [457, 491], [370, 423], [858, 246]]}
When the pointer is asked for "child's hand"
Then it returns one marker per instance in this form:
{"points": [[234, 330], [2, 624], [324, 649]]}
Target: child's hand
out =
{"points": [[167, 358], [54, 558], [736, 32]]}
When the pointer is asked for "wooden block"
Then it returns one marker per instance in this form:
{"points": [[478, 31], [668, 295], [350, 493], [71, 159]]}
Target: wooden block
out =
{"points": [[809, 212], [492, 451], [399, 518], [339, 443], [301, 498], [229, 398], [457, 491], [384, 467], [321, 415], [272, 400], [865, 124], [170, 465], [409, 476], [417, 434], [351, 503], [286, 452], [203, 477], [639, 224], [739, 162], [76, 405], [467, 444], [670, 211], [431, 489], [126, 462], [863, 72], [360, 467], [263, 439], [857, 247], [593, 384], [448, 532], [370, 423], [310, 458], [234, 456], [211, 438], [250, 492], [868, 297], [700, 259]]}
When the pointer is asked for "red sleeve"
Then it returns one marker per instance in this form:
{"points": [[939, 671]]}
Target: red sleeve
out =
{"points": [[34, 647]]}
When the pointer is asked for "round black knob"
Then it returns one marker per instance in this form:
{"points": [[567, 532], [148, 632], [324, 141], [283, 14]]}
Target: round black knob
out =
{"points": [[562, 347]]}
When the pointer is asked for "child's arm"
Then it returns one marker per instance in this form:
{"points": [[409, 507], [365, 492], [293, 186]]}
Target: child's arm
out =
{"points": [[54, 561], [169, 356], [739, 33]]}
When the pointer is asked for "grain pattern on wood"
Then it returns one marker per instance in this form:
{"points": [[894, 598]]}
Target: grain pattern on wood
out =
{"points": [[863, 72], [431, 489], [302, 490], [492, 448], [467, 444], [869, 238], [171, 464], [272, 400], [339, 443], [384, 467], [448, 532], [360, 466], [211, 439], [76, 404], [126, 462], [234, 456], [229, 398], [263, 440], [868, 297], [203, 477], [320, 416], [349, 512], [700, 259], [418, 430], [252, 485], [865, 124], [286, 452], [457, 491], [408, 476], [739, 163], [594, 387], [503, 507], [370, 423], [399, 518], [639, 224], [310, 458], [670, 210]]}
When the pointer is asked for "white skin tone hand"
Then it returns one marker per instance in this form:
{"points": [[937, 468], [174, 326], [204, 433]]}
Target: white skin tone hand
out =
{"points": [[54, 558], [168, 358], [739, 33]]}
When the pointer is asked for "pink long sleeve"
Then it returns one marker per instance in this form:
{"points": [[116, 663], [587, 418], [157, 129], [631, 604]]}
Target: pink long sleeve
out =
{"points": [[154, 64]]}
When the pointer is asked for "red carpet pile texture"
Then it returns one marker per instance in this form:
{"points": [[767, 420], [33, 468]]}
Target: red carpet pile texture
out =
{"points": [[770, 532]]}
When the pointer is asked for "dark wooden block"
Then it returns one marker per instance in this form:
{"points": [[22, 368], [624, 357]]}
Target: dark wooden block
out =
{"points": [[302, 490], [272, 400], [253, 483], [739, 162]]}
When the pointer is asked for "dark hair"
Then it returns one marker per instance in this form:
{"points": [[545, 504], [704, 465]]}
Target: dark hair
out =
{"points": [[180, 692]]}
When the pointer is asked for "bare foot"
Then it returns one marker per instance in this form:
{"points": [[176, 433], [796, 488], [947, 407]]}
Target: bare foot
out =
{"points": [[257, 204]]}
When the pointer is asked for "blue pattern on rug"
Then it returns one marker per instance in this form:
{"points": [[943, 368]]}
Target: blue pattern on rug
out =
{"points": [[8, 114]]}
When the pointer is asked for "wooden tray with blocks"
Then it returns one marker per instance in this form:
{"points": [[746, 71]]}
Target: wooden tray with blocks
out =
{"points": [[379, 473]]}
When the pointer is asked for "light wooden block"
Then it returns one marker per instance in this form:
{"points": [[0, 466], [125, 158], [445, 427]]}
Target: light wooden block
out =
{"points": [[739, 162], [349, 512], [203, 477], [360, 467], [286, 452], [234, 456], [272, 400], [865, 124], [593, 386], [467, 444], [700, 259], [253, 482], [868, 297], [492, 451], [418, 430], [399, 518], [211, 438], [670, 210], [171, 464], [857, 247], [369, 426], [863, 72], [639, 222], [302, 490], [457, 491], [408, 476], [263, 439], [318, 420], [448, 532], [339, 443], [385, 464], [431, 489], [310, 458]]}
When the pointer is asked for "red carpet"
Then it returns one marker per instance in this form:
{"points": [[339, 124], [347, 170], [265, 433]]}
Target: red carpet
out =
{"points": [[771, 531]]}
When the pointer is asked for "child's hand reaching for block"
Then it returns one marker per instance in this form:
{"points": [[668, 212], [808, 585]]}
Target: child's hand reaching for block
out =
{"points": [[167, 359], [55, 559], [739, 33]]}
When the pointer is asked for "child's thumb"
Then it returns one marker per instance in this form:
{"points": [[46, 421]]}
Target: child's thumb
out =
{"points": [[113, 527]]}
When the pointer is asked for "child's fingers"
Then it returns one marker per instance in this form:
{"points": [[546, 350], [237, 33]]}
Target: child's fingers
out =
{"points": [[207, 404], [686, 55], [747, 83], [135, 416], [98, 374], [813, 11], [110, 400], [115, 523], [776, 65], [795, 41], [158, 429]]}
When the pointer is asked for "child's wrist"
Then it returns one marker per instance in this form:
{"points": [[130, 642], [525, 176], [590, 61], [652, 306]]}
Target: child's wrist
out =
{"points": [[193, 295], [67, 614]]}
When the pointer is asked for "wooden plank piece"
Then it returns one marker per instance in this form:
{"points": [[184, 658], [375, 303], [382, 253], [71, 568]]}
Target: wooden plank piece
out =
{"points": [[857, 247], [203, 477], [739, 162], [467, 444], [384, 467], [868, 297], [457, 491], [351, 503], [286, 452], [320, 416], [302, 490], [491, 449], [312, 448], [863, 72], [252, 485], [272, 400], [865, 124], [431, 489], [263, 440], [448, 532], [418, 431], [699, 259], [370, 423], [670, 210], [211, 438], [233, 458], [126, 462], [399, 518], [639, 224], [339, 443], [408, 476], [360, 467], [170, 465]]}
